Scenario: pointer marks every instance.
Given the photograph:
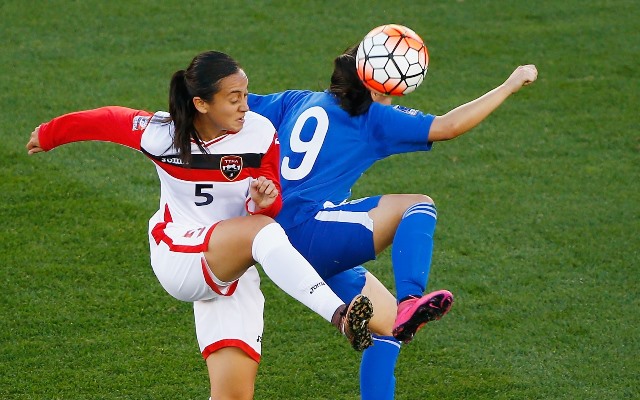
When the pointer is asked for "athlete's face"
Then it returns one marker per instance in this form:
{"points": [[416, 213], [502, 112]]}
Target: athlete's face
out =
{"points": [[225, 112]]}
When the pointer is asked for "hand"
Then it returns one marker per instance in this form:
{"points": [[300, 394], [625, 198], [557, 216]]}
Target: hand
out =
{"points": [[263, 192], [522, 76], [33, 145]]}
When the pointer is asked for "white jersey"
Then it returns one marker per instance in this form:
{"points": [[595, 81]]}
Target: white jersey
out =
{"points": [[214, 187]]}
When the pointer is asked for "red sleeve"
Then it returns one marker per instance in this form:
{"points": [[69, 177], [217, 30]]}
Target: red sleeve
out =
{"points": [[270, 169], [109, 124]]}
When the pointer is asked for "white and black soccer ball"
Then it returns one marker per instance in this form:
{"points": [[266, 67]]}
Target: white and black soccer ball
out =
{"points": [[392, 59]]}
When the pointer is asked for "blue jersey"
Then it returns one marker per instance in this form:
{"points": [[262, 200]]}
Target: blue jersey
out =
{"points": [[324, 150]]}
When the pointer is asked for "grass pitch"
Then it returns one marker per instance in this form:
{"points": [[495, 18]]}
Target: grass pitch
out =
{"points": [[538, 207]]}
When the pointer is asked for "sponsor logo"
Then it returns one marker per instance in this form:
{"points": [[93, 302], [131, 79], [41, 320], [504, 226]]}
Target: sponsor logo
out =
{"points": [[230, 166], [171, 160], [259, 339], [140, 123], [317, 285], [406, 110]]}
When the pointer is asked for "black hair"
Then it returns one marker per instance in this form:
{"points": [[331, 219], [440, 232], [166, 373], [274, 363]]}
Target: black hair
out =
{"points": [[346, 85], [201, 79]]}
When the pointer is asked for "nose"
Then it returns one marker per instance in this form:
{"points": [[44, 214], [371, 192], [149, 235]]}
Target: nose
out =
{"points": [[244, 106]]}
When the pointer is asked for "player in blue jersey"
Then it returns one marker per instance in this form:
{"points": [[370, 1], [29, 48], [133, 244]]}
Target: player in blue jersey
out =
{"points": [[328, 140]]}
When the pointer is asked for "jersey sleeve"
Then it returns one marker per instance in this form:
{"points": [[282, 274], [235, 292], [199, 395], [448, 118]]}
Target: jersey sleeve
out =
{"points": [[397, 129], [109, 124], [274, 106], [270, 169], [269, 106]]}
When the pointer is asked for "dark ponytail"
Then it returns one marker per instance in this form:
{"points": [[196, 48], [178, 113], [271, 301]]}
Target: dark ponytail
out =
{"points": [[182, 113], [346, 85], [201, 79]]}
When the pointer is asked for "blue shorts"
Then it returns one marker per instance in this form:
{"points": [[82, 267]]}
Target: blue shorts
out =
{"points": [[348, 284], [336, 241]]}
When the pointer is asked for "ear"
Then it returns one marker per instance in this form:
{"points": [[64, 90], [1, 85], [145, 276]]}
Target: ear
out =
{"points": [[200, 105], [380, 98]]}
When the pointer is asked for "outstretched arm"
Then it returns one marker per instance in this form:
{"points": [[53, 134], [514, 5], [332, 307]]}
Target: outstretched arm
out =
{"points": [[465, 117], [110, 124]]}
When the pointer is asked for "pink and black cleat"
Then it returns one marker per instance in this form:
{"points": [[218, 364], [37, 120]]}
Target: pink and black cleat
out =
{"points": [[415, 312]]}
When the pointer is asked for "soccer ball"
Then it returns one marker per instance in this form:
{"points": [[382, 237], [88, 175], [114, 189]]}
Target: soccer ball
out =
{"points": [[392, 59]]}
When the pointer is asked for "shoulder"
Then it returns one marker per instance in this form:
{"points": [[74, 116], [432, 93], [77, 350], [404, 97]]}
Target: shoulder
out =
{"points": [[157, 138], [286, 97], [395, 111], [257, 124], [257, 134]]}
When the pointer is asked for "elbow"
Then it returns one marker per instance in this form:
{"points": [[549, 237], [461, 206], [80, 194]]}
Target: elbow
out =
{"points": [[445, 130]]}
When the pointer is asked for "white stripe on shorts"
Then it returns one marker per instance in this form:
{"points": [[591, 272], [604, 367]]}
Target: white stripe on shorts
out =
{"points": [[349, 217]]}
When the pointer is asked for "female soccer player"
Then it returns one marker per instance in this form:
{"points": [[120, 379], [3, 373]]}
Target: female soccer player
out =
{"points": [[219, 191], [328, 139]]}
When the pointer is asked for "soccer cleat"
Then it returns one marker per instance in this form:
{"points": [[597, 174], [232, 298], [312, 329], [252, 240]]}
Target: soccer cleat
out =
{"points": [[414, 313], [354, 322]]}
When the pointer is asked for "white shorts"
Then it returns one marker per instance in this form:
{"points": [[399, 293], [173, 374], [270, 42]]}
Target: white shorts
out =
{"points": [[232, 321], [227, 314]]}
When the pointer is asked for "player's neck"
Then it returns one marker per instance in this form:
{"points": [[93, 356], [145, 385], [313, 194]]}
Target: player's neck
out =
{"points": [[206, 132]]}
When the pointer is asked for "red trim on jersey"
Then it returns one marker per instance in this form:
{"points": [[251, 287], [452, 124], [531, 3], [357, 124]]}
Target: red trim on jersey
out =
{"points": [[231, 343], [108, 124], [158, 234], [214, 286], [167, 214], [215, 140], [270, 169]]}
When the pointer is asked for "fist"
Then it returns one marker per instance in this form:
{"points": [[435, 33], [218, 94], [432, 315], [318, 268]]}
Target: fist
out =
{"points": [[522, 76]]}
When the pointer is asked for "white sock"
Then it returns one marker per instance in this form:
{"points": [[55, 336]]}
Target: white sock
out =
{"points": [[291, 272]]}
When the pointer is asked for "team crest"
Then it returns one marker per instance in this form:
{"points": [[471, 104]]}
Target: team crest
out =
{"points": [[230, 166]]}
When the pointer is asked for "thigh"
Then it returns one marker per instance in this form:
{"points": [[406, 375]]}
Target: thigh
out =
{"points": [[338, 238], [230, 244]]}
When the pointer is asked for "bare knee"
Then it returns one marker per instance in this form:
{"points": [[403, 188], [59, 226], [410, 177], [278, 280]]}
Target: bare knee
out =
{"points": [[387, 215], [411, 199], [399, 203]]}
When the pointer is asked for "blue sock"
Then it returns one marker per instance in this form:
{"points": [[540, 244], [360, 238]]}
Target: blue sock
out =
{"points": [[377, 380], [412, 248]]}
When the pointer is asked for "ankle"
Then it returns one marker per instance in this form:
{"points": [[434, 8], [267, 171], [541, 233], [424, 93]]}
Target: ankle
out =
{"points": [[410, 297], [337, 318]]}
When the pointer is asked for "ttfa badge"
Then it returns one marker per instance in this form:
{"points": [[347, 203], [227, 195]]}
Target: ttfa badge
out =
{"points": [[230, 166]]}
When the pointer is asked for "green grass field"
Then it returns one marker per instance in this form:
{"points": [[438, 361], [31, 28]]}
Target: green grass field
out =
{"points": [[539, 207]]}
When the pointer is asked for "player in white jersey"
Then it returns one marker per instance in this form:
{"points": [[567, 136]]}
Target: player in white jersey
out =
{"points": [[219, 191], [328, 140]]}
